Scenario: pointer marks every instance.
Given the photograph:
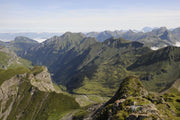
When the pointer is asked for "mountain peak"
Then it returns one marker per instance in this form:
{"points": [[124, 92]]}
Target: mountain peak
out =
{"points": [[66, 37], [130, 86], [132, 102], [24, 39], [160, 30], [120, 42], [68, 34], [149, 29]]}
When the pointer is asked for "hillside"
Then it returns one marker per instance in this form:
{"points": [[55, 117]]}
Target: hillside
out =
{"points": [[86, 66], [27, 92], [80, 62], [132, 101], [172, 96], [158, 68], [32, 96], [57, 52], [20, 44], [9, 59], [107, 68], [75, 60]]}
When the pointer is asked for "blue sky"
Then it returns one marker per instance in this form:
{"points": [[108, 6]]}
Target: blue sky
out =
{"points": [[86, 15]]}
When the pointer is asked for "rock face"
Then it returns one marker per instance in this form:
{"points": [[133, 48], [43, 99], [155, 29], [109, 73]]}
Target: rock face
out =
{"points": [[31, 96], [42, 81], [133, 102], [8, 92], [10, 88]]}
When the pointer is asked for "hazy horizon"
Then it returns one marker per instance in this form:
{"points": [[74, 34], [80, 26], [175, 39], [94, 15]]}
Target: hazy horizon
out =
{"points": [[137, 30], [86, 16]]}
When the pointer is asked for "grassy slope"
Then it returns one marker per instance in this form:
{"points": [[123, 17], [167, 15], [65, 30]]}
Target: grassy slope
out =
{"points": [[172, 96], [86, 66], [40, 105], [133, 89], [37, 106], [32, 104], [158, 69], [102, 75], [16, 67]]}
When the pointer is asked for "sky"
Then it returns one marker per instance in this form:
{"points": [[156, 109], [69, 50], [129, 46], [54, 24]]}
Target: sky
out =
{"points": [[86, 15]]}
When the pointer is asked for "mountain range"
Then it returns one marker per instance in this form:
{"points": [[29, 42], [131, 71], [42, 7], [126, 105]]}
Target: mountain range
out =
{"points": [[6, 37], [156, 38], [78, 62], [151, 37], [91, 72]]}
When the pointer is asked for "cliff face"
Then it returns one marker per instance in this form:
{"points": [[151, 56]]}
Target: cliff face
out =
{"points": [[8, 94], [42, 81], [26, 96]]}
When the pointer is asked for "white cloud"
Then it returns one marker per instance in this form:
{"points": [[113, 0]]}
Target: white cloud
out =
{"points": [[177, 44], [39, 39]]}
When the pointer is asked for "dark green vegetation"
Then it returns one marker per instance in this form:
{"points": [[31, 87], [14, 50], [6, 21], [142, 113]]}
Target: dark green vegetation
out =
{"points": [[80, 115], [23, 44], [132, 101], [29, 103], [130, 86], [7, 74], [11, 64], [19, 99], [40, 105], [86, 66], [158, 68], [172, 96]]}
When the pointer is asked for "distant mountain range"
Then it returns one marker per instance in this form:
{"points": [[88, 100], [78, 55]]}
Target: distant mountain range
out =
{"points": [[148, 29], [33, 35], [153, 37], [100, 36]]}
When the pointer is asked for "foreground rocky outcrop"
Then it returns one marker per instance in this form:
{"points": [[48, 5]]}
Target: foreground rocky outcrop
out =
{"points": [[133, 102], [43, 81], [32, 96]]}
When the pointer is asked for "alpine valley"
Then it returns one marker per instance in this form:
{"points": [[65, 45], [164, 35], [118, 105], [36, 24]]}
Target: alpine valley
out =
{"points": [[110, 75]]}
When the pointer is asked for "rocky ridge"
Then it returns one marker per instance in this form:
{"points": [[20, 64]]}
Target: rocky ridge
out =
{"points": [[43, 81], [133, 102], [9, 89]]}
